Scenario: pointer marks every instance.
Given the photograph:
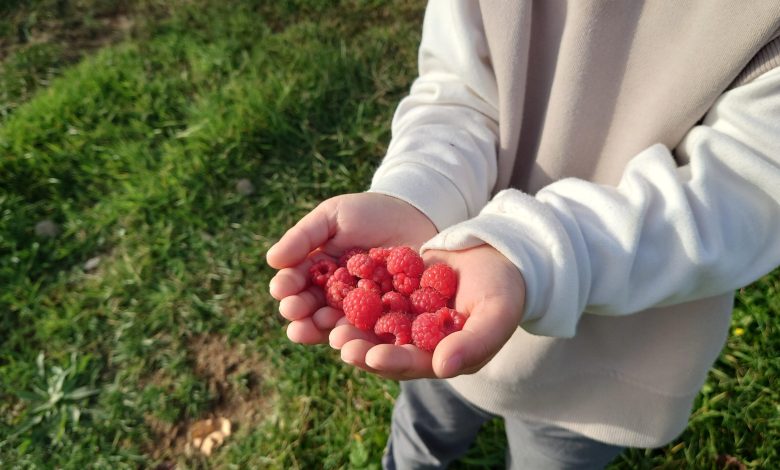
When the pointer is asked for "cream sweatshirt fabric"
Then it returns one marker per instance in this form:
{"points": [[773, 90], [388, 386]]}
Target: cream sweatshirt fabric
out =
{"points": [[626, 158]]}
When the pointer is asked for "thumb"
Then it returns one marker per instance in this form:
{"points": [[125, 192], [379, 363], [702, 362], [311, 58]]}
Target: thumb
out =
{"points": [[486, 331], [311, 232]]}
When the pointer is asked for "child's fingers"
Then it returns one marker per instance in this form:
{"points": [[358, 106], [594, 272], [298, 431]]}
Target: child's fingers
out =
{"points": [[466, 351], [327, 318], [301, 305], [289, 281], [305, 332], [311, 232], [402, 362], [293, 279], [345, 332], [354, 353]]}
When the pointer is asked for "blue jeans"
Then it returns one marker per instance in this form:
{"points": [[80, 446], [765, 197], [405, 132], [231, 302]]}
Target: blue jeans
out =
{"points": [[433, 425]]}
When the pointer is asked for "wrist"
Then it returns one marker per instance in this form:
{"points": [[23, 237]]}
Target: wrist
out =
{"points": [[517, 229], [432, 194]]}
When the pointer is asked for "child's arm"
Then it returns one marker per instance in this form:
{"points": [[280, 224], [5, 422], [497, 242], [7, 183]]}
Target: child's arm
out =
{"points": [[442, 163], [445, 126], [665, 235], [443, 155]]}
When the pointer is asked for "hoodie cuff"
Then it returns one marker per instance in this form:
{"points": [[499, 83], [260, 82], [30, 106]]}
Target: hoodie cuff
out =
{"points": [[528, 233], [431, 193]]}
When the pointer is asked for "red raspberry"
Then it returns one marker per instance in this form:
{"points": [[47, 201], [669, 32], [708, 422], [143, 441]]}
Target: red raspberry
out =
{"points": [[405, 284], [450, 319], [348, 254], [361, 265], [335, 293], [426, 299], [395, 302], [341, 274], [321, 271], [430, 328], [363, 308], [394, 328], [379, 254], [426, 333], [383, 278], [368, 284], [403, 259], [442, 278]]}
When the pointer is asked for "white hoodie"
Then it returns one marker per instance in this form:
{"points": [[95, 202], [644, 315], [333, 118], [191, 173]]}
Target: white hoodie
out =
{"points": [[626, 157]]}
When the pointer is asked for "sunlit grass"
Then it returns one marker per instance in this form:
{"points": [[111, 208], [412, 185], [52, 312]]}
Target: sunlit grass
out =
{"points": [[135, 152]]}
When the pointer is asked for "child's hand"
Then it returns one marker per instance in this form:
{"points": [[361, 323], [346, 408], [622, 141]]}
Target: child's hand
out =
{"points": [[343, 222], [491, 291]]}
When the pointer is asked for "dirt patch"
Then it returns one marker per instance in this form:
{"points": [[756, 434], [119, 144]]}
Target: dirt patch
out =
{"points": [[234, 375], [73, 33]]}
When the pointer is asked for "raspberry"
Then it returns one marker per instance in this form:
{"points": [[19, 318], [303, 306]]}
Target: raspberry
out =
{"points": [[368, 284], [383, 278], [426, 299], [442, 278], [395, 302], [348, 254], [321, 271], [362, 308], [405, 284], [335, 293], [361, 265], [430, 328], [341, 274], [394, 328], [451, 320], [379, 254], [426, 333], [403, 259], [382, 289]]}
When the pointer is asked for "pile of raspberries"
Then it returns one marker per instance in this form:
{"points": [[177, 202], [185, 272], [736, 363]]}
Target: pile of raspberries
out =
{"points": [[390, 291]]}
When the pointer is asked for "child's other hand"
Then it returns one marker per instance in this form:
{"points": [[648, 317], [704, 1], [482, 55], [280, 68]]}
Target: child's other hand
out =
{"points": [[353, 220], [491, 291]]}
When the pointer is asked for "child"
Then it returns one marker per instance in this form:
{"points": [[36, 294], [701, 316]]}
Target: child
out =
{"points": [[602, 176]]}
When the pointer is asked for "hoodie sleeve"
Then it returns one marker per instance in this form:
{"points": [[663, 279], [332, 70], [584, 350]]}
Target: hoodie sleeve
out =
{"points": [[664, 235], [442, 155]]}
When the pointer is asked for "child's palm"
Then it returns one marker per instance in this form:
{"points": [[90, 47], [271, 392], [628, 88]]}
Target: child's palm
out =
{"points": [[491, 291]]}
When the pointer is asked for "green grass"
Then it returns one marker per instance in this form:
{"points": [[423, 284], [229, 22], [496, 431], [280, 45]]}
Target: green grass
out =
{"points": [[134, 150]]}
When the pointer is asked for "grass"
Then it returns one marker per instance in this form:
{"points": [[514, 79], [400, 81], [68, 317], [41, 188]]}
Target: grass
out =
{"points": [[133, 146]]}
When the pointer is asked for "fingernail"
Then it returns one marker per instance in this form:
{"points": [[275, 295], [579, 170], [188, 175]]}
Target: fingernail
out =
{"points": [[330, 341], [345, 359]]}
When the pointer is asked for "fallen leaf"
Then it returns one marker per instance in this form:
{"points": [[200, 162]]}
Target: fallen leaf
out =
{"points": [[208, 434]]}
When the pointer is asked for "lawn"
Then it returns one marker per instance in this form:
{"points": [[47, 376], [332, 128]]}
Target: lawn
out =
{"points": [[150, 153]]}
